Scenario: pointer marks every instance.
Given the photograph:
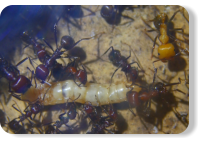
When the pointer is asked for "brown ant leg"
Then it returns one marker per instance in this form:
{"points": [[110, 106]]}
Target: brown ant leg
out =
{"points": [[107, 51], [32, 76], [48, 45], [173, 15], [154, 46], [145, 22]]}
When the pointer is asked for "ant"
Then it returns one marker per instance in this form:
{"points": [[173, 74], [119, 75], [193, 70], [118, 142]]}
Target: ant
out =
{"points": [[136, 99], [74, 11], [71, 115], [112, 14], [18, 83], [99, 122], [71, 71], [121, 62], [165, 28], [41, 52], [34, 109]]}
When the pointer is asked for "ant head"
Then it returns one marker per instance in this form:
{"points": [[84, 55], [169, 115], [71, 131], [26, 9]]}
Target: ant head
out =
{"points": [[14, 125], [25, 37], [114, 55], [67, 42], [160, 19], [107, 11], [160, 87]]}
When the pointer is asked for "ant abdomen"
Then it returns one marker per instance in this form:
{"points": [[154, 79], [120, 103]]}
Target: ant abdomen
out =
{"points": [[42, 72], [21, 84], [67, 42], [133, 98], [81, 75]]}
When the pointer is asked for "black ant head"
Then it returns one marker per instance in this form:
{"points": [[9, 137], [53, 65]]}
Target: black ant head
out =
{"points": [[25, 37], [160, 87], [107, 11], [114, 55], [160, 19]]}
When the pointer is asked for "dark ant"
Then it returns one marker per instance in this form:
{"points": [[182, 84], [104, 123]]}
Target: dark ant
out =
{"points": [[72, 109], [112, 14], [74, 11], [121, 62], [34, 109], [99, 122], [71, 115], [18, 83], [155, 90]]}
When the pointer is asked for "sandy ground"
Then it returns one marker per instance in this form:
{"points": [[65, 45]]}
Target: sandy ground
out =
{"points": [[162, 119]]}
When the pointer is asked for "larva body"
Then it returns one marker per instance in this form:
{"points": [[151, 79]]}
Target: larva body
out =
{"points": [[60, 92]]}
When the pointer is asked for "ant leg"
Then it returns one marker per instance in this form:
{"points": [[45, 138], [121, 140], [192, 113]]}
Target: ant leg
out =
{"points": [[145, 22], [154, 46], [131, 111], [21, 61], [55, 33], [108, 50], [85, 39], [48, 45], [136, 63], [33, 76], [125, 16], [173, 15], [91, 12], [114, 73], [16, 108]]}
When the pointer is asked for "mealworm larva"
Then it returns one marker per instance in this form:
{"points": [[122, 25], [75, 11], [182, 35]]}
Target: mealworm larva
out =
{"points": [[60, 92]]}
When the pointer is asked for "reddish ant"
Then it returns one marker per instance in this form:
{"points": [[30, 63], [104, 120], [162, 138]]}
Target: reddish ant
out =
{"points": [[71, 70], [121, 62], [18, 83], [99, 122], [136, 99]]}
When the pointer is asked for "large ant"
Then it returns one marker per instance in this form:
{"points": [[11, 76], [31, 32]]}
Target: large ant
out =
{"points": [[71, 115], [18, 83], [71, 70], [112, 14], [164, 26], [74, 11], [136, 99], [121, 62], [99, 123]]}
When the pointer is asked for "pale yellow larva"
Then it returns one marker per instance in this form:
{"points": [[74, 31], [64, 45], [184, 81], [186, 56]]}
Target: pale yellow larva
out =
{"points": [[60, 92]]}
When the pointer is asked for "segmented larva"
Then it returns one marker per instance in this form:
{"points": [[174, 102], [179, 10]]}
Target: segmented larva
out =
{"points": [[60, 92]]}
